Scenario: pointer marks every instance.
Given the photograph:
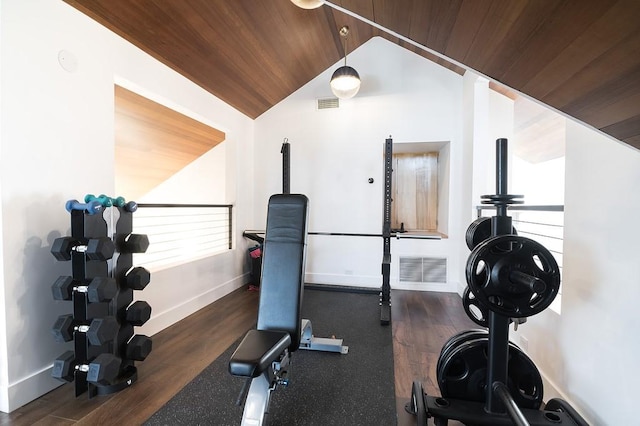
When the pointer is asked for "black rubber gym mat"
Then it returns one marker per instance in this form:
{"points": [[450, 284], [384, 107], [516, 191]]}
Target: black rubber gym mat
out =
{"points": [[324, 389]]}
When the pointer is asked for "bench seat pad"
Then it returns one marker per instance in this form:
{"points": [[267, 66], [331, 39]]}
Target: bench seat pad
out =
{"points": [[257, 351]]}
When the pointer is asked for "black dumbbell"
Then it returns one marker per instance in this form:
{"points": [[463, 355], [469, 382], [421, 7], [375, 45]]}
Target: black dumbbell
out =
{"points": [[137, 278], [95, 248], [138, 313], [103, 370], [133, 243], [139, 347], [100, 289], [99, 332]]}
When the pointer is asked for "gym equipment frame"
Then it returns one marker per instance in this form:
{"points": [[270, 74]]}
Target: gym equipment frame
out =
{"points": [[387, 234]]}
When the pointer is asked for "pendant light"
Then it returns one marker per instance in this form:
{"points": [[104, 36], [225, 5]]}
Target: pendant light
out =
{"points": [[345, 81], [308, 4]]}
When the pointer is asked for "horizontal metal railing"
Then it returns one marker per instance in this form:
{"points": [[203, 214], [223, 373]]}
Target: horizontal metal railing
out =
{"points": [[180, 233], [542, 223]]}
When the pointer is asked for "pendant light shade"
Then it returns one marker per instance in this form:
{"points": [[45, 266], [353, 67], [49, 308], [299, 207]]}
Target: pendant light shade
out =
{"points": [[308, 4], [345, 82]]}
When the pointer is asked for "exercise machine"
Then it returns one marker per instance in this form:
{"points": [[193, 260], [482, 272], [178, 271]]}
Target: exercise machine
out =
{"points": [[264, 354]]}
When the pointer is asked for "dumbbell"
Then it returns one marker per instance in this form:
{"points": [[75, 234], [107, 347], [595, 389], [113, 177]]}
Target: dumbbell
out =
{"points": [[91, 207], [138, 313], [95, 248], [137, 278], [103, 370], [100, 289], [139, 347], [131, 206], [105, 200], [133, 243], [99, 332]]}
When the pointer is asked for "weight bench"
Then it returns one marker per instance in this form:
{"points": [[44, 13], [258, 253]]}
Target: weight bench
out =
{"points": [[263, 355]]}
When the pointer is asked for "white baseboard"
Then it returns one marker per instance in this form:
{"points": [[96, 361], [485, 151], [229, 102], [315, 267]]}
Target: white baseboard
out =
{"points": [[162, 320], [376, 282], [344, 280], [27, 389], [439, 287]]}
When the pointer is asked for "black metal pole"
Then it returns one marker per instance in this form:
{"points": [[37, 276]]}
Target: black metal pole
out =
{"points": [[230, 228], [498, 345], [286, 168], [501, 173], [502, 392]]}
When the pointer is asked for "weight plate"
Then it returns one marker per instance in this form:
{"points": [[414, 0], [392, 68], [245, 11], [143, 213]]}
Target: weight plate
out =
{"points": [[491, 268], [475, 311], [457, 339], [463, 374], [501, 196], [501, 199], [479, 231]]}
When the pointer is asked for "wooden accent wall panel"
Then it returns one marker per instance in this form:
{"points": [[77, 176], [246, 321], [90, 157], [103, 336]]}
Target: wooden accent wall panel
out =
{"points": [[153, 142], [415, 191]]}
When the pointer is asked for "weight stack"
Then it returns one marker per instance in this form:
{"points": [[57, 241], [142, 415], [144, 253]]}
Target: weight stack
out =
{"points": [[86, 366]]}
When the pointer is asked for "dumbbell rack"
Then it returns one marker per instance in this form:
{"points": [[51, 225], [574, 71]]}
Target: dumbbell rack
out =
{"points": [[116, 223]]}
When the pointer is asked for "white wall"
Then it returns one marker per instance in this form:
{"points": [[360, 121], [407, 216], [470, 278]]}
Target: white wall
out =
{"points": [[488, 117], [541, 183], [199, 182], [56, 144], [589, 352], [444, 188], [334, 152]]}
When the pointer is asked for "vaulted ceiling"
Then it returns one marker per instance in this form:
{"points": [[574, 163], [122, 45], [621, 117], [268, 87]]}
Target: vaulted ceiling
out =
{"points": [[581, 57]]}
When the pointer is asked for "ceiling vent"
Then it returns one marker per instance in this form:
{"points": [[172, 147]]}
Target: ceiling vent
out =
{"points": [[328, 103]]}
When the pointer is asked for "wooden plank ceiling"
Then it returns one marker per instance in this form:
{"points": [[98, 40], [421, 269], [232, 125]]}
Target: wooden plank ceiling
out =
{"points": [[581, 57], [153, 142]]}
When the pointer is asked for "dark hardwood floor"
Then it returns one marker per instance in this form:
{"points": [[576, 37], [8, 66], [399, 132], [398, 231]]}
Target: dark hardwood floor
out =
{"points": [[421, 323]]}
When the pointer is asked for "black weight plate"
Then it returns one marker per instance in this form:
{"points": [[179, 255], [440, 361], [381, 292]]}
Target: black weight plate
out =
{"points": [[501, 196], [475, 311], [456, 340], [502, 199], [479, 231], [488, 272], [463, 375]]}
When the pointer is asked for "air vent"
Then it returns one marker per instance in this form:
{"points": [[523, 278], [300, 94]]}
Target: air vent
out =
{"points": [[328, 103], [423, 269]]}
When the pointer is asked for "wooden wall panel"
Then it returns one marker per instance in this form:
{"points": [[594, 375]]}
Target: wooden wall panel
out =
{"points": [[153, 142], [415, 191]]}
